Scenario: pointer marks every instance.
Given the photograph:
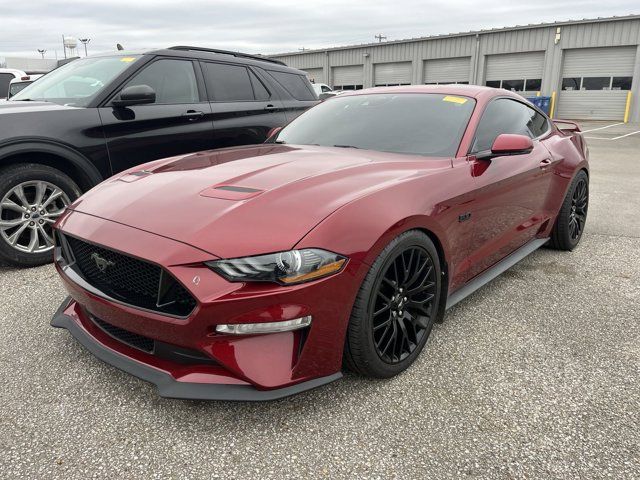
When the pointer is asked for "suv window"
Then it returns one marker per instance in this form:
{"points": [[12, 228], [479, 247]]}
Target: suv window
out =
{"points": [[260, 91], [227, 83], [297, 85], [507, 116], [174, 81]]}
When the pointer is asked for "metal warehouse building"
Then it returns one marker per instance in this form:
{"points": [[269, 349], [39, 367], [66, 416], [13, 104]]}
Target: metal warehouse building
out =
{"points": [[590, 68]]}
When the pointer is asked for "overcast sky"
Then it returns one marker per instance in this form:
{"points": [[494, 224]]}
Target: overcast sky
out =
{"points": [[263, 26]]}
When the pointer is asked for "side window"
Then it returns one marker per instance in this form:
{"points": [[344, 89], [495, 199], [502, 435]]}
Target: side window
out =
{"points": [[260, 91], [297, 85], [507, 116], [227, 83], [174, 81]]}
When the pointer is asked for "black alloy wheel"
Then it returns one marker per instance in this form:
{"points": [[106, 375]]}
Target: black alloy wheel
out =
{"points": [[395, 308], [403, 304], [572, 217]]}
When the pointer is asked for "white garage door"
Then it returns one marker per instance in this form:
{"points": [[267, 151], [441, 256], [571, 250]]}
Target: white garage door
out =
{"points": [[447, 70], [315, 74], [392, 74], [348, 78], [519, 72], [595, 83]]}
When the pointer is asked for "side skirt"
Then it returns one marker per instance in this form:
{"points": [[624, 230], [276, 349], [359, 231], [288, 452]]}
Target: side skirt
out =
{"points": [[491, 273]]}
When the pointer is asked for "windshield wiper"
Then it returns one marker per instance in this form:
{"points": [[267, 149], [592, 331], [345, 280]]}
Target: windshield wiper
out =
{"points": [[346, 146]]}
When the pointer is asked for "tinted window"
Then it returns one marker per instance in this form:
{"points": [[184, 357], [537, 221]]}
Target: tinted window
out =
{"points": [[596, 83], [492, 83], [571, 83], [621, 83], [174, 81], [513, 85], [533, 84], [423, 124], [297, 85], [507, 116], [5, 79], [227, 83], [260, 91]]}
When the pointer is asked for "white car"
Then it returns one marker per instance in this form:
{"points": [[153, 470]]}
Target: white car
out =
{"points": [[6, 75], [324, 91], [17, 84]]}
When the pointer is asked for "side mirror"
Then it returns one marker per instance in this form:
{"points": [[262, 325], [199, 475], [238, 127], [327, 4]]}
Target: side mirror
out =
{"points": [[511, 144], [135, 95], [272, 134]]}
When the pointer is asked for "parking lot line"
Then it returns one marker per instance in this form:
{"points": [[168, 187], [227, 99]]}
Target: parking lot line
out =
{"points": [[602, 128], [614, 138]]}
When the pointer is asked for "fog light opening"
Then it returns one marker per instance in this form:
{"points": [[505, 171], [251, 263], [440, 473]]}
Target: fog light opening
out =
{"points": [[268, 327]]}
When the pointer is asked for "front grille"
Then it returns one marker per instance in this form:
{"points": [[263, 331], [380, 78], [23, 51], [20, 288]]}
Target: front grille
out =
{"points": [[132, 339], [128, 279]]}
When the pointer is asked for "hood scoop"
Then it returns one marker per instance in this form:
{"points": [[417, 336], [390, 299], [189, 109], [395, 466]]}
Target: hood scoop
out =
{"points": [[230, 192]]}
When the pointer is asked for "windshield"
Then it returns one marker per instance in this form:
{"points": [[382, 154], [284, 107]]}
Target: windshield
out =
{"points": [[77, 83], [422, 124]]}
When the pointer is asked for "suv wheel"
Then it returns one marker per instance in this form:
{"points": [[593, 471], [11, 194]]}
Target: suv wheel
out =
{"points": [[32, 197]]}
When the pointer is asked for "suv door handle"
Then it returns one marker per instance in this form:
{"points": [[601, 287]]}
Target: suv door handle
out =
{"points": [[270, 108], [193, 115]]}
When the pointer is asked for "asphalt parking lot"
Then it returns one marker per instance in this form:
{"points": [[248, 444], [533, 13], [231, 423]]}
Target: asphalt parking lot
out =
{"points": [[534, 376]]}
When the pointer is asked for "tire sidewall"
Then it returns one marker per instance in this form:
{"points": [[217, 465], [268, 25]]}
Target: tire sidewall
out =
{"points": [[14, 175]]}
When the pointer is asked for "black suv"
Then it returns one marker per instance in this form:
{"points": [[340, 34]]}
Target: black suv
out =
{"points": [[99, 115]]}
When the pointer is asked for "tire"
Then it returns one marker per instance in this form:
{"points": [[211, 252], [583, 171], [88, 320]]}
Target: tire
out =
{"points": [[363, 344], [572, 217], [24, 212]]}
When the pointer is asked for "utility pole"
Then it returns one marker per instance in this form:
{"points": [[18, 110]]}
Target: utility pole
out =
{"points": [[64, 47], [84, 41], [380, 37], [42, 51]]}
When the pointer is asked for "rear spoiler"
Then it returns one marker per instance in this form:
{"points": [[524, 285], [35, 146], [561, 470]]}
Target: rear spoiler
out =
{"points": [[567, 125]]}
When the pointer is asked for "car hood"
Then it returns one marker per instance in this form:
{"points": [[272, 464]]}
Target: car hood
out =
{"points": [[11, 106], [249, 200]]}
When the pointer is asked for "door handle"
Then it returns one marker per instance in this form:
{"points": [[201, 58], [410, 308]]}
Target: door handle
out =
{"points": [[270, 108], [193, 115], [545, 163]]}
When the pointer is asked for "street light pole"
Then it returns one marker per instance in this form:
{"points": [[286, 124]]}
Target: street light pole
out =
{"points": [[42, 51], [84, 42]]}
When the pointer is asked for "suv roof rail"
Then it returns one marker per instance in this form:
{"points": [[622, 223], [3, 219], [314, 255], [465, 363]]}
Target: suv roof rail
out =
{"points": [[228, 52]]}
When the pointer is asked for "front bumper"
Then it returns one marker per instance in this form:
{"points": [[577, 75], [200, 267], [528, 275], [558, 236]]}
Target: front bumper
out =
{"points": [[238, 367], [167, 385]]}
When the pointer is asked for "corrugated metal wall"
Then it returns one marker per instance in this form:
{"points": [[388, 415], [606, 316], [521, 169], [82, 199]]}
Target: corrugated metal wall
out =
{"points": [[347, 75], [509, 66], [316, 75], [480, 47]]}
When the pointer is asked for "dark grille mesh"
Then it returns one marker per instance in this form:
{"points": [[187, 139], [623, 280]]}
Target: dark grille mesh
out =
{"points": [[132, 339], [128, 279]]}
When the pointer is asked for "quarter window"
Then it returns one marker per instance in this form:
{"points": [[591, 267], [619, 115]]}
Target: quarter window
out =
{"points": [[507, 116], [174, 81], [227, 83], [259, 90], [297, 85]]}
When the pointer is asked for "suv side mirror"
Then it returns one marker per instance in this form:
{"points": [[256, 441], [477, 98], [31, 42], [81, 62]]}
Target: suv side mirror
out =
{"points": [[272, 134], [135, 95], [511, 144]]}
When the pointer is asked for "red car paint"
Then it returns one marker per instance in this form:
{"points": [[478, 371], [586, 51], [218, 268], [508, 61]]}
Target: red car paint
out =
{"points": [[352, 202]]}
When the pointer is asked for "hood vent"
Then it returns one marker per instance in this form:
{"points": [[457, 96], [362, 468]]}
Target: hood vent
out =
{"points": [[230, 192]]}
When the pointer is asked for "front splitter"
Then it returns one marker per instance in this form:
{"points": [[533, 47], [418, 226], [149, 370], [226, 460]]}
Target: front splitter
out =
{"points": [[167, 385]]}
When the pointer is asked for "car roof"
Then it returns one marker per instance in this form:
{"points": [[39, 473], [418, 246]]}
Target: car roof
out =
{"points": [[473, 91], [208, 54]]}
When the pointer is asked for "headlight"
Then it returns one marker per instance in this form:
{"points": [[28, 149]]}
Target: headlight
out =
{"points": [[286, 268]]}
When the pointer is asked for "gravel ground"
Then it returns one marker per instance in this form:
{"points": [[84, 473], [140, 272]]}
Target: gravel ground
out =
{"points": [[534, 376]]}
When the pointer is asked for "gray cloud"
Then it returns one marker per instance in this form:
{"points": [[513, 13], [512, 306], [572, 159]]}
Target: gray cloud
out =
{"points": [[267, 27]]}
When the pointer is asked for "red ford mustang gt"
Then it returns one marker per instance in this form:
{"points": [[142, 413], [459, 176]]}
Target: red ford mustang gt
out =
{"points": [[257, 272]]}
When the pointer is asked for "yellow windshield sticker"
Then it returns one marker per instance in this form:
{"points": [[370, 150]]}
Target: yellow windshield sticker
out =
{"points": [[127, 59], [453, 99]]}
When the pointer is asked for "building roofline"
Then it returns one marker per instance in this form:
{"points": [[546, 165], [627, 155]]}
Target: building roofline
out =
{"points": [[463, 34]]}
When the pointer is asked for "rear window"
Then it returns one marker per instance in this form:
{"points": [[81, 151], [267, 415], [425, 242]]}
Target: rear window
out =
{"points": [[419, 124], [17, 87], [297, 85]]}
